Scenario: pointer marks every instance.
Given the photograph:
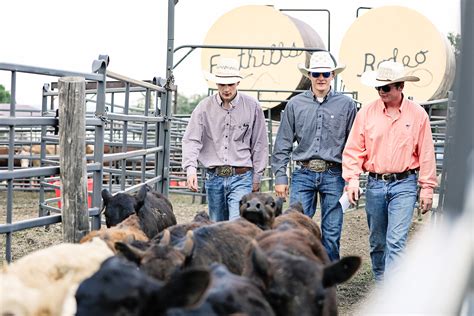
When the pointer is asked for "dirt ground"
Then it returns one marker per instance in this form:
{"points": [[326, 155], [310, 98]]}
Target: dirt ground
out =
{"points": [[354, 240]]}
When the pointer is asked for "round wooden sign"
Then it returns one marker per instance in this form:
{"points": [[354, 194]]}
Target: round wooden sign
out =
{"points": [[256, 25], [403, 35]]}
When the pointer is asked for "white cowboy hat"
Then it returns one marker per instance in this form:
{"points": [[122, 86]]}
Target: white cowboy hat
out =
{"points": [[225, 72], [387, 72], [321, 61]]}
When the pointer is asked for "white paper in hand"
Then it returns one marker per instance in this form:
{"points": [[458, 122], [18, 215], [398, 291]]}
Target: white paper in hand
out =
{"points": [[344, 201]]}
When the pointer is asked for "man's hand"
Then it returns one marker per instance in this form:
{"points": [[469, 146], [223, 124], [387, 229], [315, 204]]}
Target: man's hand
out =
{"points": [[353, 195], [425, 204], [192, 182], [256, 187], [281, 190]]}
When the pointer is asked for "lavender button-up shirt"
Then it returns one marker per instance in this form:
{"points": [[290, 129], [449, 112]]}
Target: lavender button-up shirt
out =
{"points": [[218, 137]]}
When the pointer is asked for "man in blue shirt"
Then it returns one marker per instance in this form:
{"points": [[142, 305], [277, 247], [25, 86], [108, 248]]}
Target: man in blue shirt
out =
{"points": [[319, 120]]}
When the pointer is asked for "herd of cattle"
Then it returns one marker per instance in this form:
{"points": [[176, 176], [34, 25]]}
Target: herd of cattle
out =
{"points": [[267, 262]]}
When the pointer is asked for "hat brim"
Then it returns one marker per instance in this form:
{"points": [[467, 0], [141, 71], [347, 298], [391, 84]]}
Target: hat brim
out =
{"points": [[369, 78], [305, 71], [222, 80]]}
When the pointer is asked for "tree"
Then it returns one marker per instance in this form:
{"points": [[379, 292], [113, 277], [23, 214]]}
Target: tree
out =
{"points": [[455, 40], [4, 95], [187, 104]]}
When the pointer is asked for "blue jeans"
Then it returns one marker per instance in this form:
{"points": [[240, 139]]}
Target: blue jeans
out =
{"points": [[389, 207], [305, 184], [224, 194]]}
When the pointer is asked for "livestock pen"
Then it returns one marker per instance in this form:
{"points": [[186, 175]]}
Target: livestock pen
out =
{"points": [[126, 123]]}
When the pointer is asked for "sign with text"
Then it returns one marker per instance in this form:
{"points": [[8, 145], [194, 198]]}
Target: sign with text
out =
{"points": [[255, 25], [403, 35]]}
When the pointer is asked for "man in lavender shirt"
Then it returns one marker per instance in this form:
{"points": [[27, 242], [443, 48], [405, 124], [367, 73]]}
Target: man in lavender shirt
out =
{"points": [[228, 136]]}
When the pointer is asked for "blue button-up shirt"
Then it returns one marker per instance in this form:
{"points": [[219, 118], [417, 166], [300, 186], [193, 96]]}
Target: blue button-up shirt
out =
{"points": [[320, 130]]}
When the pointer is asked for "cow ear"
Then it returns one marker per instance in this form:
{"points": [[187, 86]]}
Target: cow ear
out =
{"points": [[259, 261], [278, 206], [165, 238], [184, 289], [340, 271], [188, 244], [106, 196], [141, 195], [130, 252]]}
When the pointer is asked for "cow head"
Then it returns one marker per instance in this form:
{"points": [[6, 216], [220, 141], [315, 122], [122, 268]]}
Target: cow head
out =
{"points": [[160, 260], [295, 285], [260, 209], [119, 288], [117, 207]]}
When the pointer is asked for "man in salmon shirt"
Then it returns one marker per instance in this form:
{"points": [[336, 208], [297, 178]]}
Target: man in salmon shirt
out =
{"points": [[391, 140]]}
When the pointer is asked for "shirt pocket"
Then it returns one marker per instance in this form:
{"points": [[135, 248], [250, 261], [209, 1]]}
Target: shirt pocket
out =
{"points": [[407, 136], [335, 125], [242, 132]]}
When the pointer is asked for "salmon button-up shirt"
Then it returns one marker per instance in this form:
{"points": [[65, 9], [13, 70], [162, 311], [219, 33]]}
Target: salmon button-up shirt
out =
{"points": [[381, 144]]}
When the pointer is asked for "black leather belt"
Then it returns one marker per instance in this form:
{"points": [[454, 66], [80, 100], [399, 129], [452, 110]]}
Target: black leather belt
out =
{"points": [[389, 177], [318, 165], [227, 171]]}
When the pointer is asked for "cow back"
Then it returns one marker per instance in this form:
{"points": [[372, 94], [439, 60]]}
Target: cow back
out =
{"points": [[156, 214], [223, 242]]}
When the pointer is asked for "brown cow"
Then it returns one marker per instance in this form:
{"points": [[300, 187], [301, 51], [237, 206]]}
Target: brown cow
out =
{"points": [[222, 242], [293, 218], [294, 271], [126, 231], [4, 160], [178, 231]]}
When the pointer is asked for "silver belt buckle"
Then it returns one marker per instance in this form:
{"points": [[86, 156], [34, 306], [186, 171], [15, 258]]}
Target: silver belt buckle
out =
{"points": [[317, 165], [224, 171], [386, 176]]}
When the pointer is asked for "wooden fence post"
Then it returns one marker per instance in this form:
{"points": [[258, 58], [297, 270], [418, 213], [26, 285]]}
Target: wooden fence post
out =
{"points": [[72, 158]]}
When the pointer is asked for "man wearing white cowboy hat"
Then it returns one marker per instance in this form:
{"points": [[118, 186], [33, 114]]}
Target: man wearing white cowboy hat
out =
{"points": [[391, 140], [319, 120], [228, 136]]}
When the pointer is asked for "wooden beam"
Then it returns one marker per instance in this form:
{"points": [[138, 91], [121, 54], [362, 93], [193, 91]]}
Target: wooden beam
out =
{"points": [[72, 158]]}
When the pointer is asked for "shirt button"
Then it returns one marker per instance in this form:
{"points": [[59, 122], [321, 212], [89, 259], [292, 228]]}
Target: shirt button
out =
{"points": [[319, 127], [317, 139], [226, 136], [226, 148], [319, 116]]}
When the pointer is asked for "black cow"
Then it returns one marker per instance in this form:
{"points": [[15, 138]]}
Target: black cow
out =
{"points": [[229, 294], [153, 209], [295, 273], [222, 242], [119, 288], [260, 209]]}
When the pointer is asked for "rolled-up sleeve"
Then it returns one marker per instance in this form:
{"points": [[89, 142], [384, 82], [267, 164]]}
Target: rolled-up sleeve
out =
{"points": [[427, 176], [283, 145], [354, 154], [192, 142], [259, 146]]}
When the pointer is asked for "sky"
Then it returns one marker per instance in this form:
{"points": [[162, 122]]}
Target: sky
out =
{"points": [[69, 35]]}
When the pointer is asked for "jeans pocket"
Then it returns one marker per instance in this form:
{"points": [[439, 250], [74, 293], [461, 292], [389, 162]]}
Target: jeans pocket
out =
{"points": [[335, 171], [371, 182]]}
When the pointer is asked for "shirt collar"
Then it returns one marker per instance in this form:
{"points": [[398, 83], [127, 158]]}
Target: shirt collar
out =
{"points": [[236, 101], [381, 105], [309, 93]]}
